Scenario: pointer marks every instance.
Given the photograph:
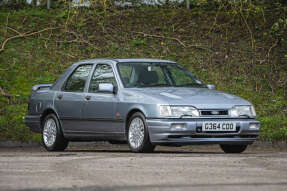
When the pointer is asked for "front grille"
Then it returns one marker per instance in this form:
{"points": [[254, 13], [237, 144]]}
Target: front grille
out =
{"points": [[214, 112]]}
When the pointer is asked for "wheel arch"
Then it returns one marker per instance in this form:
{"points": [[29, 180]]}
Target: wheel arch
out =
{"points": [[46, 112], [129, 114]]}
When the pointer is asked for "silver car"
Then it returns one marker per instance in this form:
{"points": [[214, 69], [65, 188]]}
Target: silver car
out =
{"points": [[142, 102]]}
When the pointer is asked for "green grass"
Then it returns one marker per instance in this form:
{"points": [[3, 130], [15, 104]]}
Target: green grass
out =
{"points": [[222, 55]]}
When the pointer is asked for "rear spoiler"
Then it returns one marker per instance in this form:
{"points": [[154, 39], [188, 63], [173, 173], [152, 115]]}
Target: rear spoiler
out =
{"points": [[39, 86]]}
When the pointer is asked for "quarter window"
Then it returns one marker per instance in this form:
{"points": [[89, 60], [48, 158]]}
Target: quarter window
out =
{"points": [[102, 74], [77, 81]]}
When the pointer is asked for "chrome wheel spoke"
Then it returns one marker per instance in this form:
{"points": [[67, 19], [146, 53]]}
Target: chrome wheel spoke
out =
{"points": [[136, 132], [49, 132]]}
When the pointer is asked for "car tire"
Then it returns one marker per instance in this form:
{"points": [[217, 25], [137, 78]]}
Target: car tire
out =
{"points": [[137, 134], [52, 136], [233, 148]]}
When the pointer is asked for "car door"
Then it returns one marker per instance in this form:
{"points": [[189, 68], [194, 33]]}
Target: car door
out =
{"points": [[70, 100], [100, 107]]}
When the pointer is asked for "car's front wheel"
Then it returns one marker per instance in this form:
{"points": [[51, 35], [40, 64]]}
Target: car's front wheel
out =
{"points": [[138, 137], [52, 137], [233, 148]]}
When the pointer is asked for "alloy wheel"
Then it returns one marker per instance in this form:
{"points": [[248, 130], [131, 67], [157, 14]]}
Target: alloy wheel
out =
{"points": [[136, 132], [49, 132]]}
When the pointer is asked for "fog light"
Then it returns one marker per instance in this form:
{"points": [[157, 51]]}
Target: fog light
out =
{"points": [[198, 129], [254, 126], [178, 127]]}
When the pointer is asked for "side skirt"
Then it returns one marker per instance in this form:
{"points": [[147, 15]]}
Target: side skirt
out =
{"points": [[92, 136]]}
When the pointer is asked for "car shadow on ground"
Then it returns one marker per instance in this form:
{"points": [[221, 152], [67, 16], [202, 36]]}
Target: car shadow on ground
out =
{"points": [[155, 152]]}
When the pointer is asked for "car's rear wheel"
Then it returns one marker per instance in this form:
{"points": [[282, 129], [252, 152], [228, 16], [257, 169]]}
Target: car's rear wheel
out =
{"points": [[138, 137], [233, 148], [52, 137]]}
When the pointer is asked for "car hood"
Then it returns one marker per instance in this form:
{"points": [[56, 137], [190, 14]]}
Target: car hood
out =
{"points": [[201, 98]]}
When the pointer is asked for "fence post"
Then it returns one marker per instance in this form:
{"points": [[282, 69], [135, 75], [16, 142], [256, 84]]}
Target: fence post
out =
{"points": [[48, 4], [187, 4]]}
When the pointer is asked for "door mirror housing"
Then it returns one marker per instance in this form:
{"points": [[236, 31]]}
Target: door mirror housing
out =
{"points": [[105, 87], [211, 87]]}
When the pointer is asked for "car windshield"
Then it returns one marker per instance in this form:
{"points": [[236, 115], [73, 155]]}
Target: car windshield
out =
{"points": [[142, 75]]}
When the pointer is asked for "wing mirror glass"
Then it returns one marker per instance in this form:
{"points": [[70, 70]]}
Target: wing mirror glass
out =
{"points": [[211, 87], [104, 87]]}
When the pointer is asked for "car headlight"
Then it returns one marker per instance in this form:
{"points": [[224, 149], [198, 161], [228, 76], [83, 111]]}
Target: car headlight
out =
{"points": [[178, 111], [246, 110]]}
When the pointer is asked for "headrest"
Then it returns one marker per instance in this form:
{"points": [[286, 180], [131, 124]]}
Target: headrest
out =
{"points": [[148, 77]]}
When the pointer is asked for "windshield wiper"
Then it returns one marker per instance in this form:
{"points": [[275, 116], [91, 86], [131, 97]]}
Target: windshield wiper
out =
{"points": [[155, 85], [190, 85]]}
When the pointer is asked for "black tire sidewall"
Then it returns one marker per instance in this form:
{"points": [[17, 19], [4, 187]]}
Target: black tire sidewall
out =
{"points": [[233, 148]]}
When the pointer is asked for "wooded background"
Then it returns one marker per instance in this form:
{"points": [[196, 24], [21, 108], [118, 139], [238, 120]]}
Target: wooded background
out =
{"points": [[238, 45]]}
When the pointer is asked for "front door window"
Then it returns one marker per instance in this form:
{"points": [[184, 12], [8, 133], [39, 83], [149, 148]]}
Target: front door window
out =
{"points": [[102, 74]]}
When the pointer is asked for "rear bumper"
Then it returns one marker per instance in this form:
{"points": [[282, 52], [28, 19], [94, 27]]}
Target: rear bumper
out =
{"points": [[33, 122], [160, 132]]}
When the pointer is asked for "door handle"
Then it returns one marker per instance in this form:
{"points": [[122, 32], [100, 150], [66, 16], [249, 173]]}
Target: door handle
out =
{"points": [[87, 97], [60, 96]]}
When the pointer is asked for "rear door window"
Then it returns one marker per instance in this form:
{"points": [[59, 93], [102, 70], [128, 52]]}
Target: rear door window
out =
{"points": [[77, 80]]}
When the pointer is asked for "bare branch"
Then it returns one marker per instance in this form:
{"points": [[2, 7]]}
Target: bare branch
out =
{"points": [[14, 30], [2, 92], [158, 36], [20, 35], [273, 46], [173, 38], [67, 54]]}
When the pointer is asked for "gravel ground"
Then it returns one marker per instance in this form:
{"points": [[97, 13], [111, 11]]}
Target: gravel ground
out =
{"points": [[106, 167]]}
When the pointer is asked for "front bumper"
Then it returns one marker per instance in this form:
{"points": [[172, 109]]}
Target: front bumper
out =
{"points": [[33, 122], [160, 132]]}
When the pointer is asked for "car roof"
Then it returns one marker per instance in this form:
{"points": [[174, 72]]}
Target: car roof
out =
{"points": [[57, 85], [117, 60], [142, 60]]}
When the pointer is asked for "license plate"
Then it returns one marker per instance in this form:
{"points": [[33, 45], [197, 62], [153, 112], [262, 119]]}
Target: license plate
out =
{"points": [[219, 126]]}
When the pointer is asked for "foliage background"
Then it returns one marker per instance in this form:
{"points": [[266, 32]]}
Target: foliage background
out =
{"points": [[239, 46]]}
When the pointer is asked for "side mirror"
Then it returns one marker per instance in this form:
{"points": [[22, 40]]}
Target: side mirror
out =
{"points": [[104, 87], [211, 87]]}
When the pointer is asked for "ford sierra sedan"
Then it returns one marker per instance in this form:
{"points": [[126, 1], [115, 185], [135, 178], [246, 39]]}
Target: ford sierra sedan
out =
{"points": [[142, 102]]}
